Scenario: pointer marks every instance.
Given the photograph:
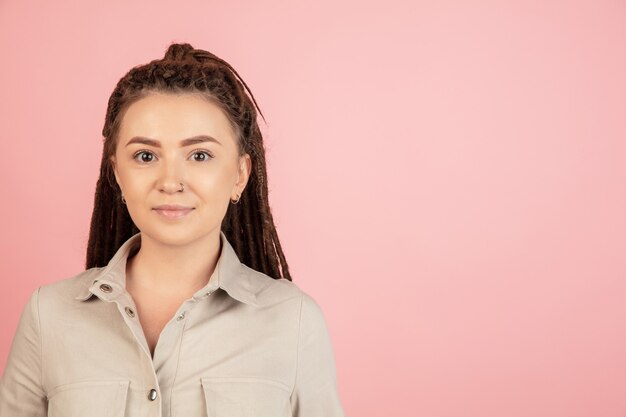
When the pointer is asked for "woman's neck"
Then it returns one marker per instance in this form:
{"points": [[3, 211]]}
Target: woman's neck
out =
{"points": [[173, 270]]}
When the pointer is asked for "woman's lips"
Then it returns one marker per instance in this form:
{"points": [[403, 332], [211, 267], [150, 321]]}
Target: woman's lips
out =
{"points": [[173, 214]]}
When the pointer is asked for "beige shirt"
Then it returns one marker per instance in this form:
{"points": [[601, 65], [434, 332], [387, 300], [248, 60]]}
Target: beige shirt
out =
{"points": [[244, 345]]}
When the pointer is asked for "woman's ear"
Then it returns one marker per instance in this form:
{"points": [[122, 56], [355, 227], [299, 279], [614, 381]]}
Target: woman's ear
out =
{"points": [[245, 168], [114, 166]]}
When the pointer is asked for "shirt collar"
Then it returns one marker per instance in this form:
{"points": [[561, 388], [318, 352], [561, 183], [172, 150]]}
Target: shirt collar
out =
{"points": [[230, 275]]}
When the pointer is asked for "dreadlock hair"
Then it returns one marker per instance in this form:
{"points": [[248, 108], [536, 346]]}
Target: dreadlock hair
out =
{"points": [[248, 225]]}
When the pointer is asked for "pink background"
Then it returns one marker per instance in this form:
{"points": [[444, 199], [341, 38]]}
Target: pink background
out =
{"points": [[448, 181]]}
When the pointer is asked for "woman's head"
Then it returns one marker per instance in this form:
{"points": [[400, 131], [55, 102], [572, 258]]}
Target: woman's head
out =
{"points": [[188, 94], [178, 149]]}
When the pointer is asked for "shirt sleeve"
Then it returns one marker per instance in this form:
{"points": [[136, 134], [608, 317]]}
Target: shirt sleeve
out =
{"points": [[315, 390], [21, 391]]}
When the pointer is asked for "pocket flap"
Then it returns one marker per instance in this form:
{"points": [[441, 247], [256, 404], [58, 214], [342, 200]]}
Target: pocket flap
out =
{"points": [[98, 398], [245, 397]]}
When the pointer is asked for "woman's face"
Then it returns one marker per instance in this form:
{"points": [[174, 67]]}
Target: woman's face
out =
{"points": [[165, 140]]}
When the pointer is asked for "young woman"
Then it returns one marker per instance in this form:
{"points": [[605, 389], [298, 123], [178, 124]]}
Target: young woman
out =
{"points": [[186, 307]]}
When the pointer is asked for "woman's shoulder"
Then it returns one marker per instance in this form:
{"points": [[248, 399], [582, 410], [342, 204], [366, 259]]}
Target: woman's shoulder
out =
{"points": [[67, 289], [270, 290], [264, 288]]}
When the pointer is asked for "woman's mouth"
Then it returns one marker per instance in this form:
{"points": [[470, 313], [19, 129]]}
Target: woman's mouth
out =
{"points": [[173, 213]]}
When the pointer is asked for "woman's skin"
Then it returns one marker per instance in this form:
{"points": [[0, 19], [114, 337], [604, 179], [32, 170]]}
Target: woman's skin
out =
{"points": [[177, 256]]}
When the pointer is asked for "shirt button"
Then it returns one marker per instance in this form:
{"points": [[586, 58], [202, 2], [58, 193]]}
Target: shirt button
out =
{"points": [[180, 316], [152, 394], [129, 311], [105, 288]]}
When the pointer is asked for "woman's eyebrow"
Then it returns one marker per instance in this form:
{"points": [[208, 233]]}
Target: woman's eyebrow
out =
{"points": [[183, 143]]}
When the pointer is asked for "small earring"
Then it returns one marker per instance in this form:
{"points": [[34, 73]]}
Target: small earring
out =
{"points": [[237, 200]]}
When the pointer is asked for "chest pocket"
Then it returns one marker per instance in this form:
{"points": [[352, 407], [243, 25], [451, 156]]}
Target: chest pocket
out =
{"points": [[245, 397], [105, 398]]}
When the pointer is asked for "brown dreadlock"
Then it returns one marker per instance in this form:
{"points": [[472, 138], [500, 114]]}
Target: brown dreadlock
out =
{"points": [[248, 225]]}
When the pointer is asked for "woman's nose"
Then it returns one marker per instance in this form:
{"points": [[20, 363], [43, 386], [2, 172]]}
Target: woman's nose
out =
{"points": [[171, 177]]}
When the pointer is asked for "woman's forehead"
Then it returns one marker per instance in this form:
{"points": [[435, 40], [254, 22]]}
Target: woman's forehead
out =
{"points": [[170, 118]]}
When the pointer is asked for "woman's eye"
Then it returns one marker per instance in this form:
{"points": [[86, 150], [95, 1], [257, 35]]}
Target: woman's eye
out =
{"points": [[143, 153], [206, 155]]}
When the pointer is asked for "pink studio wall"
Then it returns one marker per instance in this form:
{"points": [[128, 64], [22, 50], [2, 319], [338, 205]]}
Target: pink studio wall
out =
{"points": [[448, 180]]}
